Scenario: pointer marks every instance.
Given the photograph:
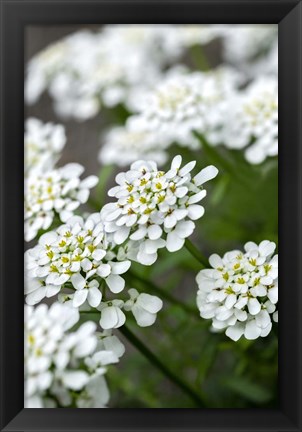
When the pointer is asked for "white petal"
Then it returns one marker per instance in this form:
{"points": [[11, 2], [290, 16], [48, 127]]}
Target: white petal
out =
{"points": [[115, 283], [150, 303], [187, 168], [184, 228], [170, 221], [78, 281], [94, 296], [121, 235], [195, 211], [197, 197], [254, 306], [89, 182], [120, 267], [174, 242], [79, 298], [176, 162], [75, 380], [98, 254], [252, 331], [205, 175], [104, 270], [154, 232], [235, 332], [143, 318]]}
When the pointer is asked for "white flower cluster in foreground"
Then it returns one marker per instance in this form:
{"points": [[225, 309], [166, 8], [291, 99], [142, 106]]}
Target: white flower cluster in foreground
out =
{"points": [[155, 209], [124, 145], [43, 143], [182, 103], [65, 367], [55, 192], [253, 120], [240, 292], [77, 252]]}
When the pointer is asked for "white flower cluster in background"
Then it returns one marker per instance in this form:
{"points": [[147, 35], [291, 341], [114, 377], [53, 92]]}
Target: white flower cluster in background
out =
{"points": [[86, 69], [77, 252], [182, 103], [240, 292], [43, 143], [124, 145], [155, 209], [65, 367], [55, 192], [252, 123], [243, 44]]}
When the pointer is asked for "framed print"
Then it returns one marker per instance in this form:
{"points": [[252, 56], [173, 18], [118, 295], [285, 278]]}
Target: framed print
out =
{"points": [[140, 142]]}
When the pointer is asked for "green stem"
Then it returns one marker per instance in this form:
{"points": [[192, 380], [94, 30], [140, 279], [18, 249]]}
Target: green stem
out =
{"points": [[101, 189], [196, 398], [164, 294], [196, 253]]}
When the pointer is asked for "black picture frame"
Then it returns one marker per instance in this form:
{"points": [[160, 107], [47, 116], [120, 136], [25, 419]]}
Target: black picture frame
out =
{"points": [[15, 15]]}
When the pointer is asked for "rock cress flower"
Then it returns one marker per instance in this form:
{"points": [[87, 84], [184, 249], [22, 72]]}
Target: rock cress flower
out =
{"points": [[62, 365], [76, 255], [155, 209], [240, 292], [43, 143], [56, 192]]}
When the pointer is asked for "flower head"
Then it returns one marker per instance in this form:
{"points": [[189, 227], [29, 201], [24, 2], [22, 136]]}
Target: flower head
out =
{"points": [[124, 145], [182, 103], [78, 256], [240, 292], [253, 122], [60, 362], [56, 192], [156, 209], [43, 143]]}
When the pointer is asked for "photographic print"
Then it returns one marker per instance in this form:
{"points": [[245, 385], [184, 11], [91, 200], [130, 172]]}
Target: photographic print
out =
{"points": [[151, 216]]}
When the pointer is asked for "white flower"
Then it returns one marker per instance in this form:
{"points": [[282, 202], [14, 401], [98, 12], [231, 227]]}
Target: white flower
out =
{"points": [[124, 145], [252, 123], [52, 354], [43, 143], [77, 255], [87, 68], [112, 315], [242, 44], [155, 209], [240, 292], [109, 342], [56, 192], [144, 307], [182, 103]]}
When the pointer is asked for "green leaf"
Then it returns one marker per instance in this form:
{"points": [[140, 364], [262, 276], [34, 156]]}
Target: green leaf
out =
{"points": [[247, 389]]}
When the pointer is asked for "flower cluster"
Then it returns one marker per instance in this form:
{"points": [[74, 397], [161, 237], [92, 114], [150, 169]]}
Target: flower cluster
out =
{"points": [[240, 292], [65, 367], [182, 103], [124, 145], [242, 44], [253, 121], [155, 209], [57, 192], [86, 69], [43, 143], [76, 255]]}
